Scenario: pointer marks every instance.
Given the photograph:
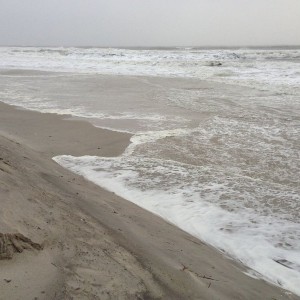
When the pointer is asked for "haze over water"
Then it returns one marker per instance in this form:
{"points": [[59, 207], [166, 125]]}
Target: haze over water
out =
{"points": [[215, 148]]}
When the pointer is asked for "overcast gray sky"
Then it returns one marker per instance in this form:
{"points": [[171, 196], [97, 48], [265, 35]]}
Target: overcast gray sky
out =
{"points": [[149, 22]]}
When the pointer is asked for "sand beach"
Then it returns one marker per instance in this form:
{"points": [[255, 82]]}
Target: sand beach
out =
{"points": [[94, 244]]}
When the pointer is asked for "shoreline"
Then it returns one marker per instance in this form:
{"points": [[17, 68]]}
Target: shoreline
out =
{"points": [[56, 128], [97, 244]]}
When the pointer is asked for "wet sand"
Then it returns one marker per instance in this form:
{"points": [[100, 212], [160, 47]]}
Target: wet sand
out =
{"points": [[96, 245]]}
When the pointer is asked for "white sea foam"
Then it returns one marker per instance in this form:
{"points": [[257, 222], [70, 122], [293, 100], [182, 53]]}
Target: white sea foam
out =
{"points": [[268, 67], [207, 204]]}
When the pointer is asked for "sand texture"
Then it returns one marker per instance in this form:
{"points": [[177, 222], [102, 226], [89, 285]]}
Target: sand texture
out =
{"points": [[15, 242], [66, 238]]}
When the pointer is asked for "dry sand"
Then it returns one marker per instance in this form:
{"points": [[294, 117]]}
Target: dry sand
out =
{"points": [[95, 244]]}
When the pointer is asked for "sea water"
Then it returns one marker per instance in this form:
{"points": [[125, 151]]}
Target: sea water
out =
{"points": [[215, 148]]}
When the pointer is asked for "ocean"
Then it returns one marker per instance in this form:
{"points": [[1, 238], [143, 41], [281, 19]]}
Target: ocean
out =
{"points": [[215, 146]]}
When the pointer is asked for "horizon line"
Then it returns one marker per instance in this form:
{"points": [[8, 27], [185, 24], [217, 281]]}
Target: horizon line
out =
{"points": [[154, 47]]}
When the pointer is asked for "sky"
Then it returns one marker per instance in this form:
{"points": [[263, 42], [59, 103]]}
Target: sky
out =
{"points": [[149, 22]]}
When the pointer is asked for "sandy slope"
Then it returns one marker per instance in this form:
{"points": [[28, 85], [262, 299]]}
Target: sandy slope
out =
{"points": [[95, 244]]}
